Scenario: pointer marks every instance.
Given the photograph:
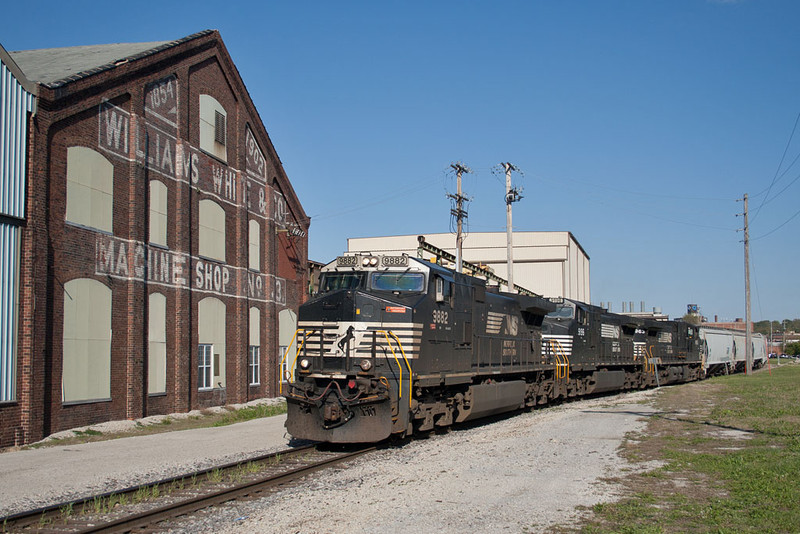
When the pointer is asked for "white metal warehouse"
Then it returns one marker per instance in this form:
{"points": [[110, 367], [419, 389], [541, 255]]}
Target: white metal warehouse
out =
{"points": [[552, 264]]}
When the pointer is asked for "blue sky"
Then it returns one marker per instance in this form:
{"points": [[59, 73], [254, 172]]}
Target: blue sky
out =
{"points": [[637, 124]]}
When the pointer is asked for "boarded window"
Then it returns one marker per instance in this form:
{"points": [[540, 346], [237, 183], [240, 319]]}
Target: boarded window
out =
{"points": [[87, 341], [211, 331], [287, 327], [213, 127], [157, 344], [212, 230], [90, 189], [158, 213], [254, 242]]}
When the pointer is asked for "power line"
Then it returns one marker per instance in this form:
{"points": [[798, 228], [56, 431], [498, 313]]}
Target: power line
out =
{"points": [[767, 201], [777, 228], [778, 170], [412, 188]]}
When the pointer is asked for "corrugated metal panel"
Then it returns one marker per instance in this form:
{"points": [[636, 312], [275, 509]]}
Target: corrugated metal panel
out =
{"points": [[9, 288], [15, 103]]}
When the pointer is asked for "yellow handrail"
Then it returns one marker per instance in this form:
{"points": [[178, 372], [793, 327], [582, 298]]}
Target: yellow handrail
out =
{"points": [[649, 364], [562, 360], [400, 367], [286, 354]]}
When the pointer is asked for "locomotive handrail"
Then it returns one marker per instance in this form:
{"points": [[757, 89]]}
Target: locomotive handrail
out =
{"points": [[400, 367], [297, 355], [648, 355], [562, 362]]}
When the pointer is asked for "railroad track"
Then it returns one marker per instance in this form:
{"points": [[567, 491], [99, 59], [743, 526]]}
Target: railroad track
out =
{"points": [[143, 507]]}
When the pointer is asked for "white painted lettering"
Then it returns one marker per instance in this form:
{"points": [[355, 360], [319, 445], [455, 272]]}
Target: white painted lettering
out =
{"points": [[164, 269], [230, 185], [226, 277], [138, 262], [122, 261], [167, 162], [177, 270], [105, 256], [116, 130]]}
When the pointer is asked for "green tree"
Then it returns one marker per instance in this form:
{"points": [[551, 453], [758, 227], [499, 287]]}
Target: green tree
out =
{"points": [[692, 318], [793, 349]]}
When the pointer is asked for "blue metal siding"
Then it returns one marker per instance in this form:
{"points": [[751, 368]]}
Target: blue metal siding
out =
{"points": [[9, 289], [15, 103]]}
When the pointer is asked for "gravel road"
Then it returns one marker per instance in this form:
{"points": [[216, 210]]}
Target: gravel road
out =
{"points": [[526, 473]]}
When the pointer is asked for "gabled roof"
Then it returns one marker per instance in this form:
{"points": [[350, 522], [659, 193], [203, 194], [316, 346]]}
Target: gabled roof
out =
{"points": [[11, 65], [54, 67]]}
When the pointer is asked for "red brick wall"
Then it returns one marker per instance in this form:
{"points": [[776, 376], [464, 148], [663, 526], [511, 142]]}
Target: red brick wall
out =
{"points": [[55, 252]]}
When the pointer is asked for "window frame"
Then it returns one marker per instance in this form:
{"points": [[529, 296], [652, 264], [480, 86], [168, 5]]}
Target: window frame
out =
{"points": [[254, 365], [205, 369]]}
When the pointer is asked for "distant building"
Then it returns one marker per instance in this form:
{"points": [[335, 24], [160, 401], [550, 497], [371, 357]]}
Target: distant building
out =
{"points": [[738, 324], [552, 264], [162, 248]]}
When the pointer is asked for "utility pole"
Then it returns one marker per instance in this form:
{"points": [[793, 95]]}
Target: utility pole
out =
{"points": [[512, 195], [748, 328], [459, 212]]}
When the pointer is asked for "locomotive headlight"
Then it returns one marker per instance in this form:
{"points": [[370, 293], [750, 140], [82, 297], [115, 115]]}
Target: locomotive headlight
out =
{"points": [[365, 261], [305, 363], [365, 365], [373, 262]]}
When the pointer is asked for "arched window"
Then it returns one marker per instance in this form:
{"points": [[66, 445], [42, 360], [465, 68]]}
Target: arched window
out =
{"points": [[90, 189], [213, 127], [157, 344], [158, 213], [211, 339], [86, 374], [254, 241], [212, 230]]}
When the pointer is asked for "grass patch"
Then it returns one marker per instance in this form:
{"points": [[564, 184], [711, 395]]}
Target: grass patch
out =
{"points": [[731, 453], [250, 412], [87, 432]]}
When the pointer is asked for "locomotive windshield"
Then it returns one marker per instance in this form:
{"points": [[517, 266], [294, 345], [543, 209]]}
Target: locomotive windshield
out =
{"points": [[394, 281], [562, 312], [336, 281]]}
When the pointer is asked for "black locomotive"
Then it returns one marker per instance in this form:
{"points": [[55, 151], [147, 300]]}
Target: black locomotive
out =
{"points": [[395, 345]]}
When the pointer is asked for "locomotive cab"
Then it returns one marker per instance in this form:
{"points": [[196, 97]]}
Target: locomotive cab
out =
{"points": [[352, 363]]}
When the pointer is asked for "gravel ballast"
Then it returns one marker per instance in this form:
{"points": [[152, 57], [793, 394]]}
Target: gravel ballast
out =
{"points": [[525, 473]]}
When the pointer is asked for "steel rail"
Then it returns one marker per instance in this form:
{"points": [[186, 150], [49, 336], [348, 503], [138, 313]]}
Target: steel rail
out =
{"points": [[84, 504], [171, 511]]}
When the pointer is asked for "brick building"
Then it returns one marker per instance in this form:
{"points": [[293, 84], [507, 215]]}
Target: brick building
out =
{"points": [[163, 248]]}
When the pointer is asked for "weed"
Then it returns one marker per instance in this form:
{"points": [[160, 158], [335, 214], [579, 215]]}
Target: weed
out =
{"points": [[99, 505], [214, 476]]}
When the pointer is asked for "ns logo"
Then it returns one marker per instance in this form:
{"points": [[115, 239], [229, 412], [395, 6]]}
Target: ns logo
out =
{"points": [[497, 322]]}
